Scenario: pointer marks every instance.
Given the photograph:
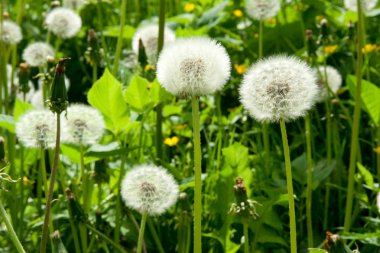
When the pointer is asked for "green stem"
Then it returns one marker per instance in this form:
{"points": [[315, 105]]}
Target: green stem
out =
{"points": [[289, 184], [119, 45], [12, 233], [197, 177], [118, 199], [155, 236], [85, 197], [141, 232], [106, 238], [355, 124], [45, 227], [94, 73], [309, 182], [246, 237]]}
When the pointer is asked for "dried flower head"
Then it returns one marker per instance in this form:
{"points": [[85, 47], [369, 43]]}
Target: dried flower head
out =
{"points": [[36, 54], [19, 93], [262, 9], [10, 33], [149, 37], [37, 129], [63, 22], [366, 5], [278, 87], [148, 188], [193, 67], [334, 81], [85, 125]]}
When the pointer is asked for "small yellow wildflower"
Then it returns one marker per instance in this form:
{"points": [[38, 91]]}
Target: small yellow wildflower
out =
{"points": [[330, 49], [240, 68], [369, 48], [377, 150], [180, 127], [149, 67], [238, 13], [171, 141], [271, 21], [189, 7], [25, 181]]}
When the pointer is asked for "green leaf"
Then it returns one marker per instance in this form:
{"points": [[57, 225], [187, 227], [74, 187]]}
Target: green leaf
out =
{"points": [[367, 176], [7, 122], [20, 108], [113, 31], [137, 94], [106, 96], [73, 153]]}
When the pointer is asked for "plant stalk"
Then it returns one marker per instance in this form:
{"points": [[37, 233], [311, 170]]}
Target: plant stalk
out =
{"points": [[12, 233], [119, 45], [246, 237], [141, 232], [309, 182]]}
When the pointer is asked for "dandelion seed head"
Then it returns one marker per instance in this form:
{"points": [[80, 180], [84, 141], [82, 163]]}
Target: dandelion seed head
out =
{"points": [[278, 87], [366, 5], [334, 80], [148, 188], [36, 54], [63, 22], [11, 33], [37, 100], [193, 67], [149, 37], [262, 9], [85, 125]]}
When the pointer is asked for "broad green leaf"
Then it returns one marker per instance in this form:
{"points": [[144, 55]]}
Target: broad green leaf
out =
{"points": [[370, 95], [137, 94], [236, 155], [7, 122], [20, 108], [106, 96], [73, 153], [113, 31], [367, 176], [269, 235]]}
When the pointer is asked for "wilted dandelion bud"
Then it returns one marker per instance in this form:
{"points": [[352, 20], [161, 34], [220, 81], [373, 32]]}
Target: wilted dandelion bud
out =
{"points": [[334, 81], [36, 54], [243, 206], [63, 22], [367, 5], [37, 129], [150, 189], [323, 31], [193, 67], [149, 38], [10, 33], [334, 244], [58, 93], [278, 87], [94, 54], [310, 43], [262, 9], [85, 124], [23, 77]]}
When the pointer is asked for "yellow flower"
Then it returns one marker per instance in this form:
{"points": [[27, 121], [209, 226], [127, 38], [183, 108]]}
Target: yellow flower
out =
{"points": [[271, 21], [189, 7], [240, 68], [149, 67], [330, 49], [377, 150], [25, 181], [180, 127], [369, 48], [238, 13], [171, 141]]}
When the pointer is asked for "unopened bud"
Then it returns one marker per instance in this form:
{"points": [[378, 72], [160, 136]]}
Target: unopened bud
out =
{"points": [[6, 15], [23, 77], [58, 100], [310, 43], [142, 58]]}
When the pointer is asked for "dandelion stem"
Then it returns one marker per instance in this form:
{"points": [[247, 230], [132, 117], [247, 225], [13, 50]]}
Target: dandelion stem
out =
{"points": [[12, 233], [45, 227], [156, 239], [289, 184], [119, 45], [105, 238], [82, 228], [309, 182], [197, 178], [246, 237], [141, 232], [118, 199], [355, 124]]}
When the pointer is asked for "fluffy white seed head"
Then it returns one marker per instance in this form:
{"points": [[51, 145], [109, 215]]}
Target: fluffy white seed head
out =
{"points": [[63, 22], [148, 188], [334, 81], [149, 37], [37, 99], [36, 54], [193, 67], [85, 125], [37, 129], [10, 33], [366, 5], [262, 9], [278, 87]]}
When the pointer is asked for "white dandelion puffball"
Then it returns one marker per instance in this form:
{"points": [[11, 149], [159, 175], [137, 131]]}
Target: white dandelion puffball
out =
{"points": [[36, 54], [63, 22], [366, 5], [193, 67], [37, 129], [85, 125], [334, 81], [37, 99], [262, 9], [278, 87], [149, 37], [150, 189], [10, 33]]}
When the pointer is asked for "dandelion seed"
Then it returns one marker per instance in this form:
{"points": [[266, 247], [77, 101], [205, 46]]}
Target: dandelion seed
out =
{"points": [[37, 54], [278, 87], [63, 22], [149, 37], [193, 67], [10, 33], [149, 189], [262, 9], [367, 5], [85, 125], [334, 80]]}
